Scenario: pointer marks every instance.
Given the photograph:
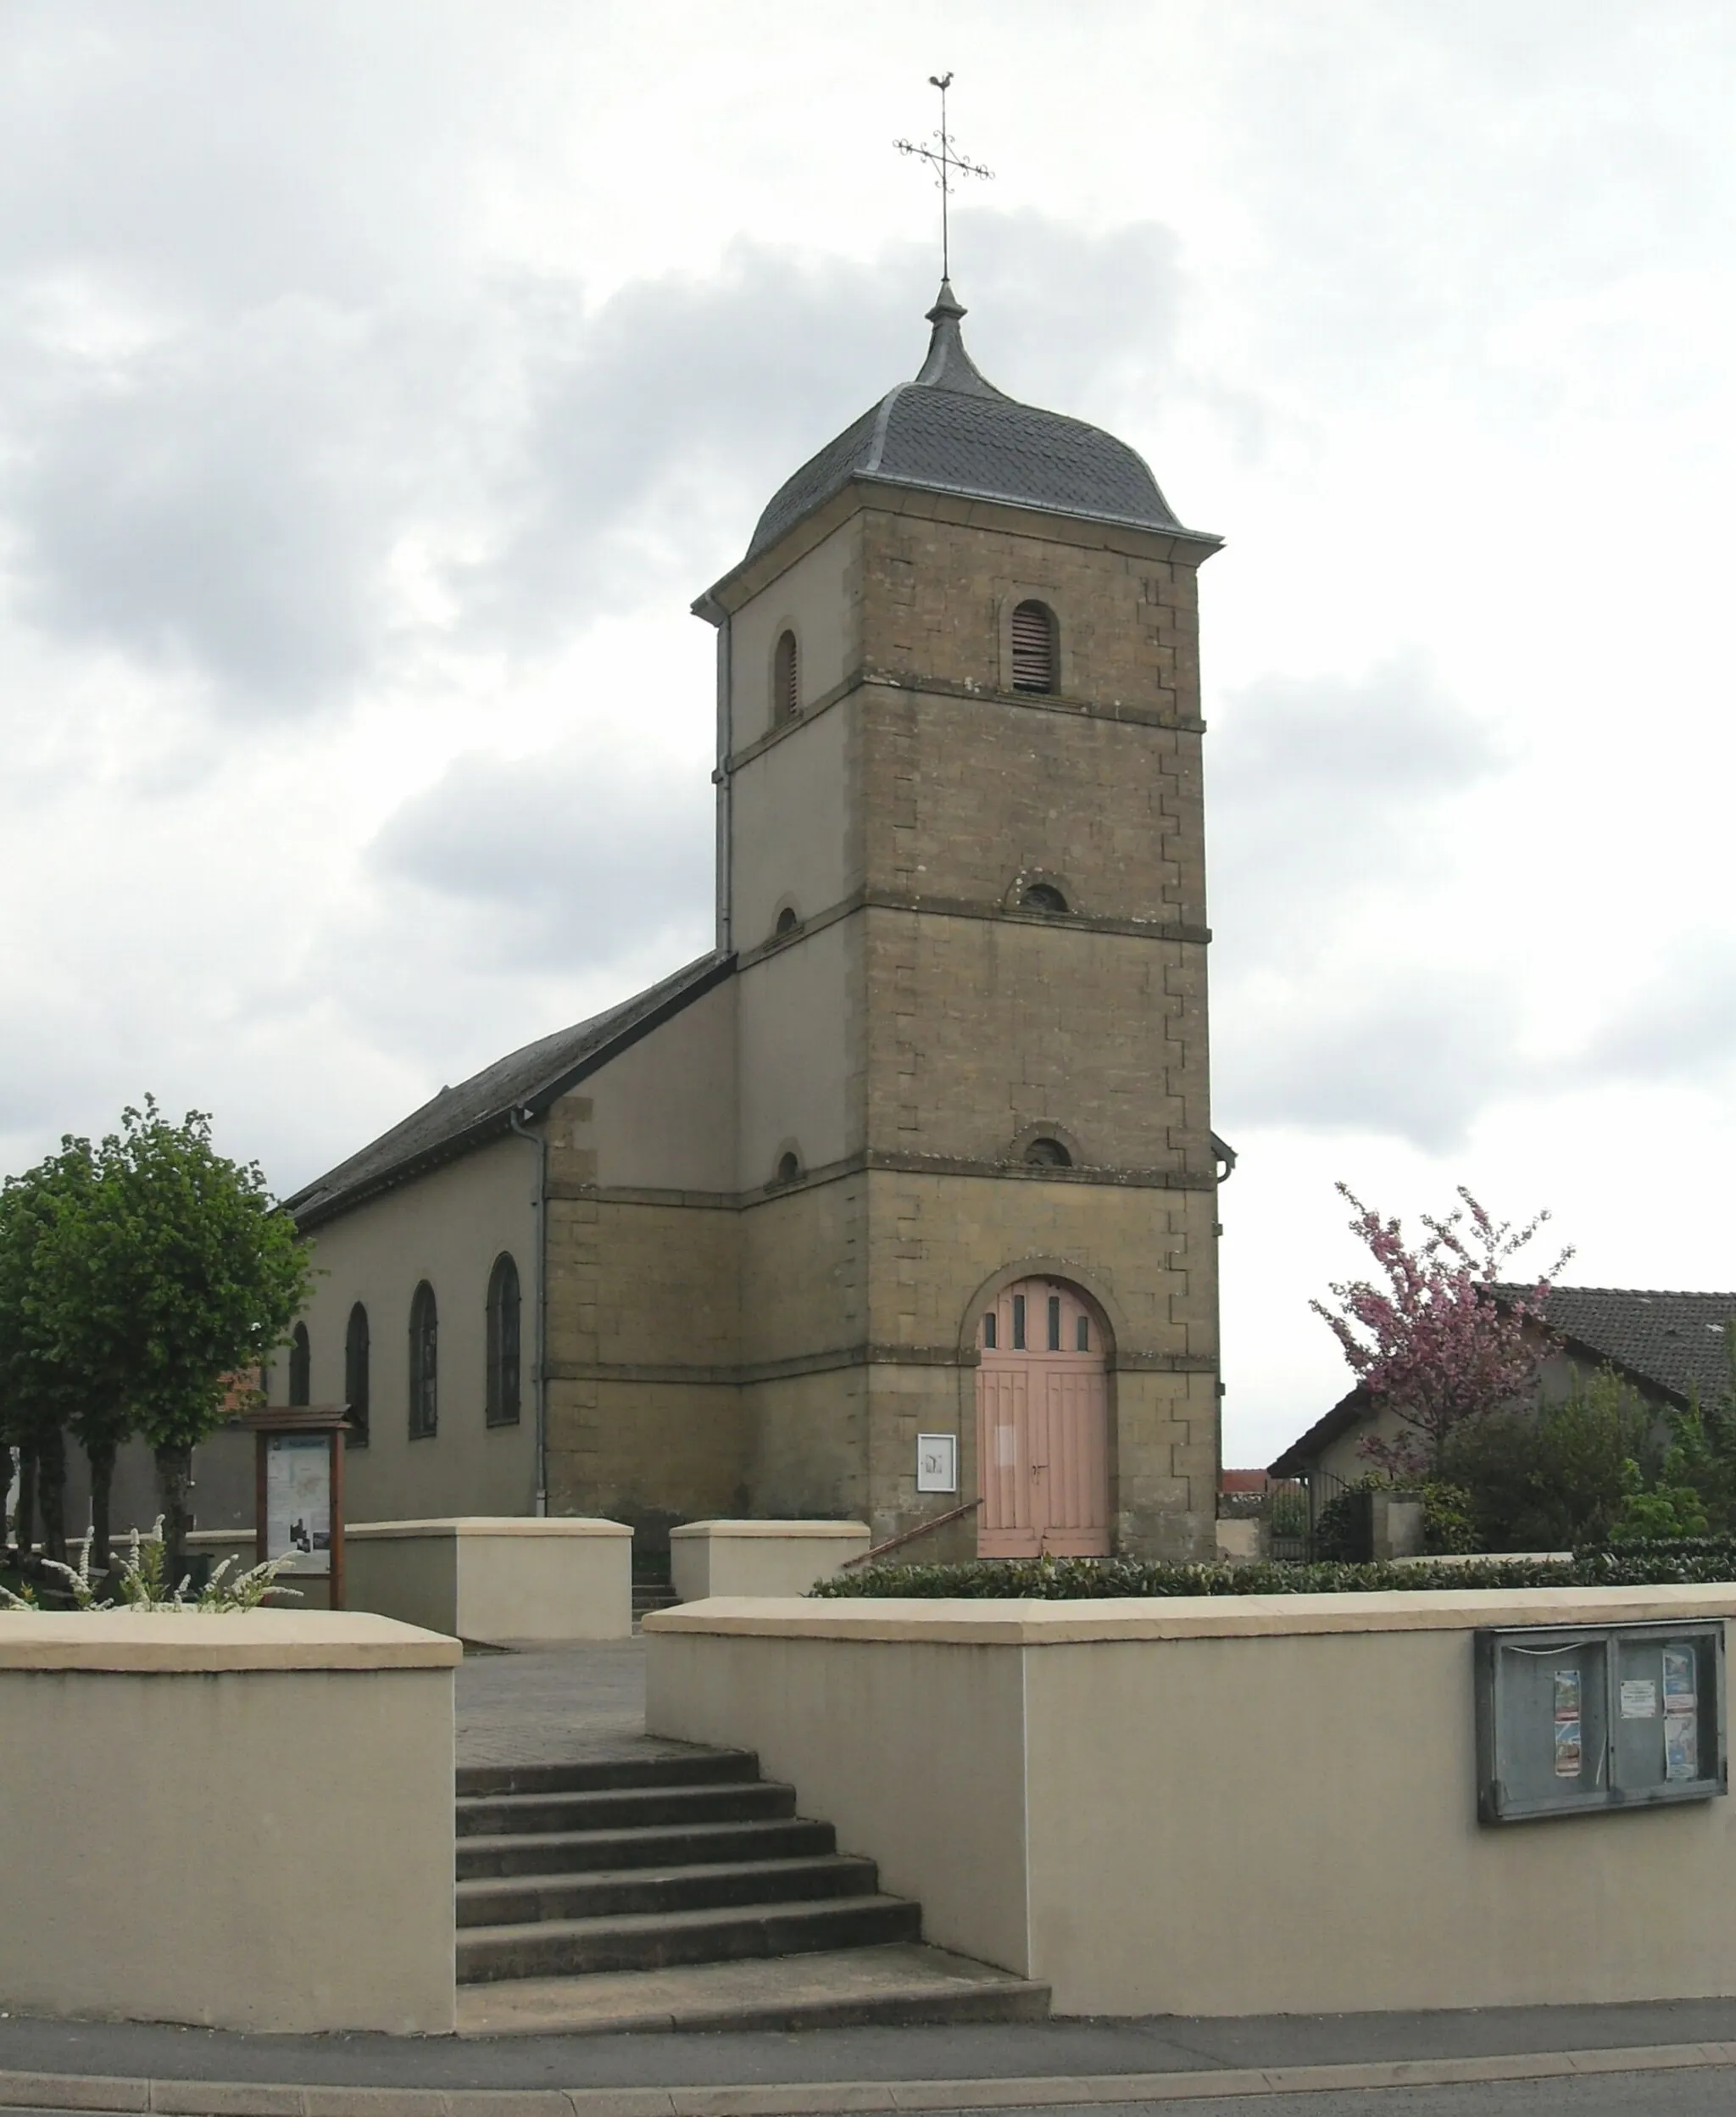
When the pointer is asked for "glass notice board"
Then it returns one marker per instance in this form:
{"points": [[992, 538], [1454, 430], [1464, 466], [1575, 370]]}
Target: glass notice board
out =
{"points": [[1582, 1718]]}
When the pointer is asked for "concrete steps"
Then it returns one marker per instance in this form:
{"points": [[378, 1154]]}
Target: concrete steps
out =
{"points": [[579, 1947], [555, 1853], [649, 1596], [614, 1892], [899, 1985], [578, 1881]]}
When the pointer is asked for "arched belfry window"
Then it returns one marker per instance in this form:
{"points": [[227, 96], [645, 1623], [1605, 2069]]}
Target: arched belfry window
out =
{"points": [[786, 679], [1045, 1153], [424, 1364], [503, 1388], [789, 1167], [356, 1376], [787, 921], [301, 1365], [1034, 648], [1042, 896]]}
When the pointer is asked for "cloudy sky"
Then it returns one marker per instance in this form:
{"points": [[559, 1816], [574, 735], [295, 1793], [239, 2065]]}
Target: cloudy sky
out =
{"points": [[379, 379]]}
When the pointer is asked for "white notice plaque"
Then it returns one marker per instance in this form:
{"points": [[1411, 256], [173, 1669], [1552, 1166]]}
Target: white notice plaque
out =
{"points": [[937, 1462], [298, 1501]]}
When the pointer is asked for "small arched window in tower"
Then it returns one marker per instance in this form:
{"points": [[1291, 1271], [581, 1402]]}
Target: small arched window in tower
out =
{"points": [[786, 679], [425, 1365], [356, 1376], [503, 1383], [1042, 896], [1048, 1154], [786, 922], [1034, 655], [788, 1168], [301, 1365]]}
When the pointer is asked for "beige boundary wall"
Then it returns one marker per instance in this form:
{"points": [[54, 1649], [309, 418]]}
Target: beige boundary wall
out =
{"points": [[1216, 1806], [496, 1576], [241, 1821], [708, 1559]]}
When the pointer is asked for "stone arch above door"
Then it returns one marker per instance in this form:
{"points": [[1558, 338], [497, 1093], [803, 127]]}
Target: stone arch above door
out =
{"points": [[1043, 1421]]}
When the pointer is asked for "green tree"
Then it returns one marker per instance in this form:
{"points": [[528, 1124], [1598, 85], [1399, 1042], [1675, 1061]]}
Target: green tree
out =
{"points": [[42, 1390], [1550, 1479], [175, 1268]]}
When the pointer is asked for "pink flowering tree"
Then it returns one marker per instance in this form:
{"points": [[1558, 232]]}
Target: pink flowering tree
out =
{"points": [[1430, 1341]]}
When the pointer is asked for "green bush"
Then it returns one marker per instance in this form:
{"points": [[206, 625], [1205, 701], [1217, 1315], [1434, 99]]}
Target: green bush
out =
{"points": [[1449, 1522], [1075, 1580], [1559, 1476]]}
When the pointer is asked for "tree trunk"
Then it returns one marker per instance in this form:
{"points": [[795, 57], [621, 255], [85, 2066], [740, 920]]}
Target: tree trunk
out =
{"points": [[23, 1519], [101, 1454], [175, 1477], [51, 1492]]}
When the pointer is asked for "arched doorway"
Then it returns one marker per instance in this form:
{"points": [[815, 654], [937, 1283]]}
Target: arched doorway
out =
{"points": [[1041, 1424]]}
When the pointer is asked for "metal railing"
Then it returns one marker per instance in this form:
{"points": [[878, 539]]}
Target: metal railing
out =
{"points": [[908, 1535]]}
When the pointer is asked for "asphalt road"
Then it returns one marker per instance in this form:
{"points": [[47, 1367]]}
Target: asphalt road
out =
{"points": [[1709, 2091]]}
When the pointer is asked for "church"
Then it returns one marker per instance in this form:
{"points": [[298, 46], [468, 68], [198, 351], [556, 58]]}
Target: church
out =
{"points": [[900, 1205]]}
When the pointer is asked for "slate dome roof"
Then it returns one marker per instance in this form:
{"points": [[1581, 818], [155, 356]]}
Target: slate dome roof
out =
{"points": [[951, 431]]}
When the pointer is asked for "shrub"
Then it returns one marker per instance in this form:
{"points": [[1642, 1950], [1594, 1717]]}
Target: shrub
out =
{"points": [[1558, 1477], [1341, 1534], [139, 1580], [1073, 1580]]}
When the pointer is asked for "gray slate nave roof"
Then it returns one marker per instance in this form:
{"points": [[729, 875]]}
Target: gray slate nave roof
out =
{"points": [[524, 1083], [951, 431]]}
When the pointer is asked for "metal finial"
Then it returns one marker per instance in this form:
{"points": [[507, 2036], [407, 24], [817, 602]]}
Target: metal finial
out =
{"points": [[946, 163]]}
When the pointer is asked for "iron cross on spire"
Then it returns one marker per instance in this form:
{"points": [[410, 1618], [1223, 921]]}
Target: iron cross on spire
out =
{"points": [[946, 163]]}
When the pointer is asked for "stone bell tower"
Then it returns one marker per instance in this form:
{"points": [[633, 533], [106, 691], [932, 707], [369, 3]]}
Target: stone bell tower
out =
{"points": [[962, 876]]}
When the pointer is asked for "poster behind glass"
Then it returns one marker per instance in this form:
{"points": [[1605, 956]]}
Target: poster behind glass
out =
{"points": [[298, 1501]]}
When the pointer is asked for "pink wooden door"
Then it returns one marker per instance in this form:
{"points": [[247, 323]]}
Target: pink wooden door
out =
{"points": [[1042, 1425]]}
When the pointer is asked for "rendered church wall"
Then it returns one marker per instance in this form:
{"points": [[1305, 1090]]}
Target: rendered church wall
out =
{"points": [[448, 1228], [794, 1014], [803, 1287], [791, 837], [817, 599], [662, 1115], [808, 1443]]}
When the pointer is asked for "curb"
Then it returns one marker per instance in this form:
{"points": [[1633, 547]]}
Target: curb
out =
{"points": [[217, 2098]]}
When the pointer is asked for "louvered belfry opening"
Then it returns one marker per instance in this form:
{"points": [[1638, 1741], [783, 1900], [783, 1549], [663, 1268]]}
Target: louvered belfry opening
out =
{"points": [[1033, 648], [787, 701]]}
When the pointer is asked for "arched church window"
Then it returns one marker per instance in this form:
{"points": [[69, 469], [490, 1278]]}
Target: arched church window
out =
{"points": [[786, 922], [788, 1168], [1042, 896], [425, 1367], [502, 1385], [786, 679], [1034, 648], [356, 1378], [301, 1365], [1048, 1154]]}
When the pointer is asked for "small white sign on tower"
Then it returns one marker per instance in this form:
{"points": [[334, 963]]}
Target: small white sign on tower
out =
{"points": [[937, 1462]]}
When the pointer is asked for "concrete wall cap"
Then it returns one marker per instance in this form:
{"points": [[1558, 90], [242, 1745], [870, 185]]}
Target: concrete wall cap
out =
{"points": [[1041, 1623], [152, 1642], [491, 1526], [854, 1531]]}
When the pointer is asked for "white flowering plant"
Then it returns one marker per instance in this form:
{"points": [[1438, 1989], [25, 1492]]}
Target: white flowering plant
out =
{"points": [[139, 1581]]}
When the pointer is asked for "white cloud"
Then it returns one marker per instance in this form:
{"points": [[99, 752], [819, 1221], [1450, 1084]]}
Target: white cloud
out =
{"points": [[376, 386]]}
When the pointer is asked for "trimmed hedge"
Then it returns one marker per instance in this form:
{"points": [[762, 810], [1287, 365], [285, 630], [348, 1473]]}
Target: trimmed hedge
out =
{"points": [[1699, 1558]]}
